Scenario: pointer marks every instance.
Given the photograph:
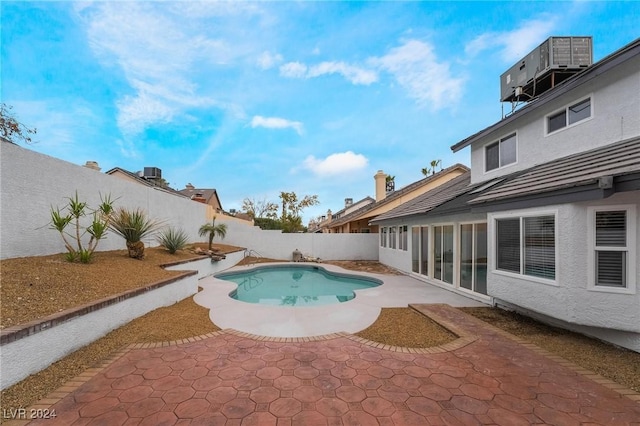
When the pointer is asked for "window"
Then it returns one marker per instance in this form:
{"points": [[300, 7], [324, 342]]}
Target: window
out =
{"points": [[443, 253], [383, 237], [420, 249], [473, 257], [402, 240], [392, 237], [612, 244], [569, 116], [527, 246], [501, 153]]}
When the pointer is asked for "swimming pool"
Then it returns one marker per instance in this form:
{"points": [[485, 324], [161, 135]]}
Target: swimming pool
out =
{"points": [[295, 285]]}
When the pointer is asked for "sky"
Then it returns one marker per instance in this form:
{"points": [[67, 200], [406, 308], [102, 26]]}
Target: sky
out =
{"points": [[257, 98]]}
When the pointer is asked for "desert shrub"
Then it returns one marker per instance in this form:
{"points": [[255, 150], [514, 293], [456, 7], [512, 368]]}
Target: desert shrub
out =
{"points": [[173, 239]]}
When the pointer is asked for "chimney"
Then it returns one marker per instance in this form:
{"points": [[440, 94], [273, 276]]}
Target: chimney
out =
{"points": [[92, 165], [381, 190], [348, 202]]}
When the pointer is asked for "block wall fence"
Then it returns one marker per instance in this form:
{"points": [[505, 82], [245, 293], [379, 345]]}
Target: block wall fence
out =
{"points": [[31, 183]]}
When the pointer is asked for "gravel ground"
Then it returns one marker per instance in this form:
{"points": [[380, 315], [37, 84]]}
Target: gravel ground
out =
{"points": [[48, 284]]}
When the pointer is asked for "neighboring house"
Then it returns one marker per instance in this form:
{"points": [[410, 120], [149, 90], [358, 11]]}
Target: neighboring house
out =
{"points": [[358, 221], [548, 223], [322, 225], [203, 195]]}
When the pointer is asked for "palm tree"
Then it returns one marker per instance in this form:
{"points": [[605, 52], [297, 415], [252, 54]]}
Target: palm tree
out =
{"points": [[212, 230], [425, 171], [434, 164], [133, 226]]}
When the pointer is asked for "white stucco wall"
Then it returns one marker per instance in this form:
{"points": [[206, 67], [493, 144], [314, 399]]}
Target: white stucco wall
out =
{"points": [[615, 116], [277, 245], [31, 354], [569, 298], [31, 183]]}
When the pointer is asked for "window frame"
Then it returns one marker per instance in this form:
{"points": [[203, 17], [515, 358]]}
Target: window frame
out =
{"points": [[566, 111], [630, 249], [403, 242], [393, 240], [499, 143], [493, 219]]}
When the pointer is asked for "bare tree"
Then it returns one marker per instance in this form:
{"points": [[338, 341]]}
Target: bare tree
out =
{"points": [[11, 129], [260, 208]]}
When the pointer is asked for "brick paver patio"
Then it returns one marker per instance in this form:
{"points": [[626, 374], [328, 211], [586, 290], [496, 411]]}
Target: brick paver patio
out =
{"points": [[228, 378]]}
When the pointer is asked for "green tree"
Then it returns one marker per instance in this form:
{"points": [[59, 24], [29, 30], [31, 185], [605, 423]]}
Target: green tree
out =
{"points": [[292, 210], [426, 171], [434, 164], [11, 129], [211, 230]]}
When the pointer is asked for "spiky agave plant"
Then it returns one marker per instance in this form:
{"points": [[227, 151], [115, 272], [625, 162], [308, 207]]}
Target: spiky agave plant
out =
{"points": [[173, 239]]}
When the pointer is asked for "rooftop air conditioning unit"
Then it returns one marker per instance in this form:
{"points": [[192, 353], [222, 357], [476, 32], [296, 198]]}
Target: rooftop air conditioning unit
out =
{"points": [[555, 60], [152, 173]]}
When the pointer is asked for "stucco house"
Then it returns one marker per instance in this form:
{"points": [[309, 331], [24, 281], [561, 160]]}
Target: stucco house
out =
{"points": [[547, 222], [203, 195], [322, 224], [358, 221]]}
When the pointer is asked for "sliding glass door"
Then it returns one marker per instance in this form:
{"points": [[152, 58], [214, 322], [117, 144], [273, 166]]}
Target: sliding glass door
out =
{"points": [[443, 253], [473, 257]]}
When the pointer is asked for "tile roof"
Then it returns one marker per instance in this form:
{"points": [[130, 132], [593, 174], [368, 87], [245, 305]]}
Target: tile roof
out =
{"points": [[569, 173], [429, 200], [395, 195]]}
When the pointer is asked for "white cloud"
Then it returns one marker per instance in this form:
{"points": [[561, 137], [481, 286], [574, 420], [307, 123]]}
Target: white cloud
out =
{"points": [[513, 44], [268, 60], [417, 69], [276, 123], [157, 56], [355, 75], [293, 70], [336, 164]]}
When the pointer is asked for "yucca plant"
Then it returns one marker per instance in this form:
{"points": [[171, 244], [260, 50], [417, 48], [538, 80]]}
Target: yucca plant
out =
{"points": [[133, 226], [173, 239], [211, 230], [97, 230]]}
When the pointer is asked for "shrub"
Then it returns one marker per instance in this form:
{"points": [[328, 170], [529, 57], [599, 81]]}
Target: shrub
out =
{"points": [[173, 239], [133, 226]]}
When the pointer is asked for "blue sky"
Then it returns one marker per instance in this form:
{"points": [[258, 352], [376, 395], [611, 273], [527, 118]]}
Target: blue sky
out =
{"points": [[256, 98]]}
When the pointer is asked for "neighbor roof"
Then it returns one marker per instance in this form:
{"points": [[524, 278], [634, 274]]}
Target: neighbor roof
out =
{"points": [[207, 194], [395, 195], [148, 182], [429, 200], [616, 58]]}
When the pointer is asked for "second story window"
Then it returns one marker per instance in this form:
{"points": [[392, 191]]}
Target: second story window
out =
{"points": [[501, 153], [569, 116]]}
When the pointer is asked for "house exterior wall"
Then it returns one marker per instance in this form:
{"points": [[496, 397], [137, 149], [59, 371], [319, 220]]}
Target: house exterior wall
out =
{"points": [[402, 259], [615, 115], [608, 314]]}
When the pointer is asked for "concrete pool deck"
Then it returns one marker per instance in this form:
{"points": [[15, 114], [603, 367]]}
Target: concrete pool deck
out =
{"points": [[351, 317]]}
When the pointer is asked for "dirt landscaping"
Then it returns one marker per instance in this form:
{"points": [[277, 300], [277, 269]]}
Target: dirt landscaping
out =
{"points": [[39, 286]]}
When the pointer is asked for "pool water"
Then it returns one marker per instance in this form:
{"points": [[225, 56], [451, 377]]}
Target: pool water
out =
{"points": [[295, 285]]}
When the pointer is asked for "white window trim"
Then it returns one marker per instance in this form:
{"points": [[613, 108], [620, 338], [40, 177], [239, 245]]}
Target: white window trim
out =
{"points": [[631, 249], [484, 154], [566, 108], [492, 229], [475, 222], [456, 254]]}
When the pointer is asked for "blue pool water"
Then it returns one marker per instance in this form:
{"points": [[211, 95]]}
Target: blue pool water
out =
{"points": [[295, 285]]}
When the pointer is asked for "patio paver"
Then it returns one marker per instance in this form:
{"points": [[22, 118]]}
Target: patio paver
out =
{"points": [[230, 378]]}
